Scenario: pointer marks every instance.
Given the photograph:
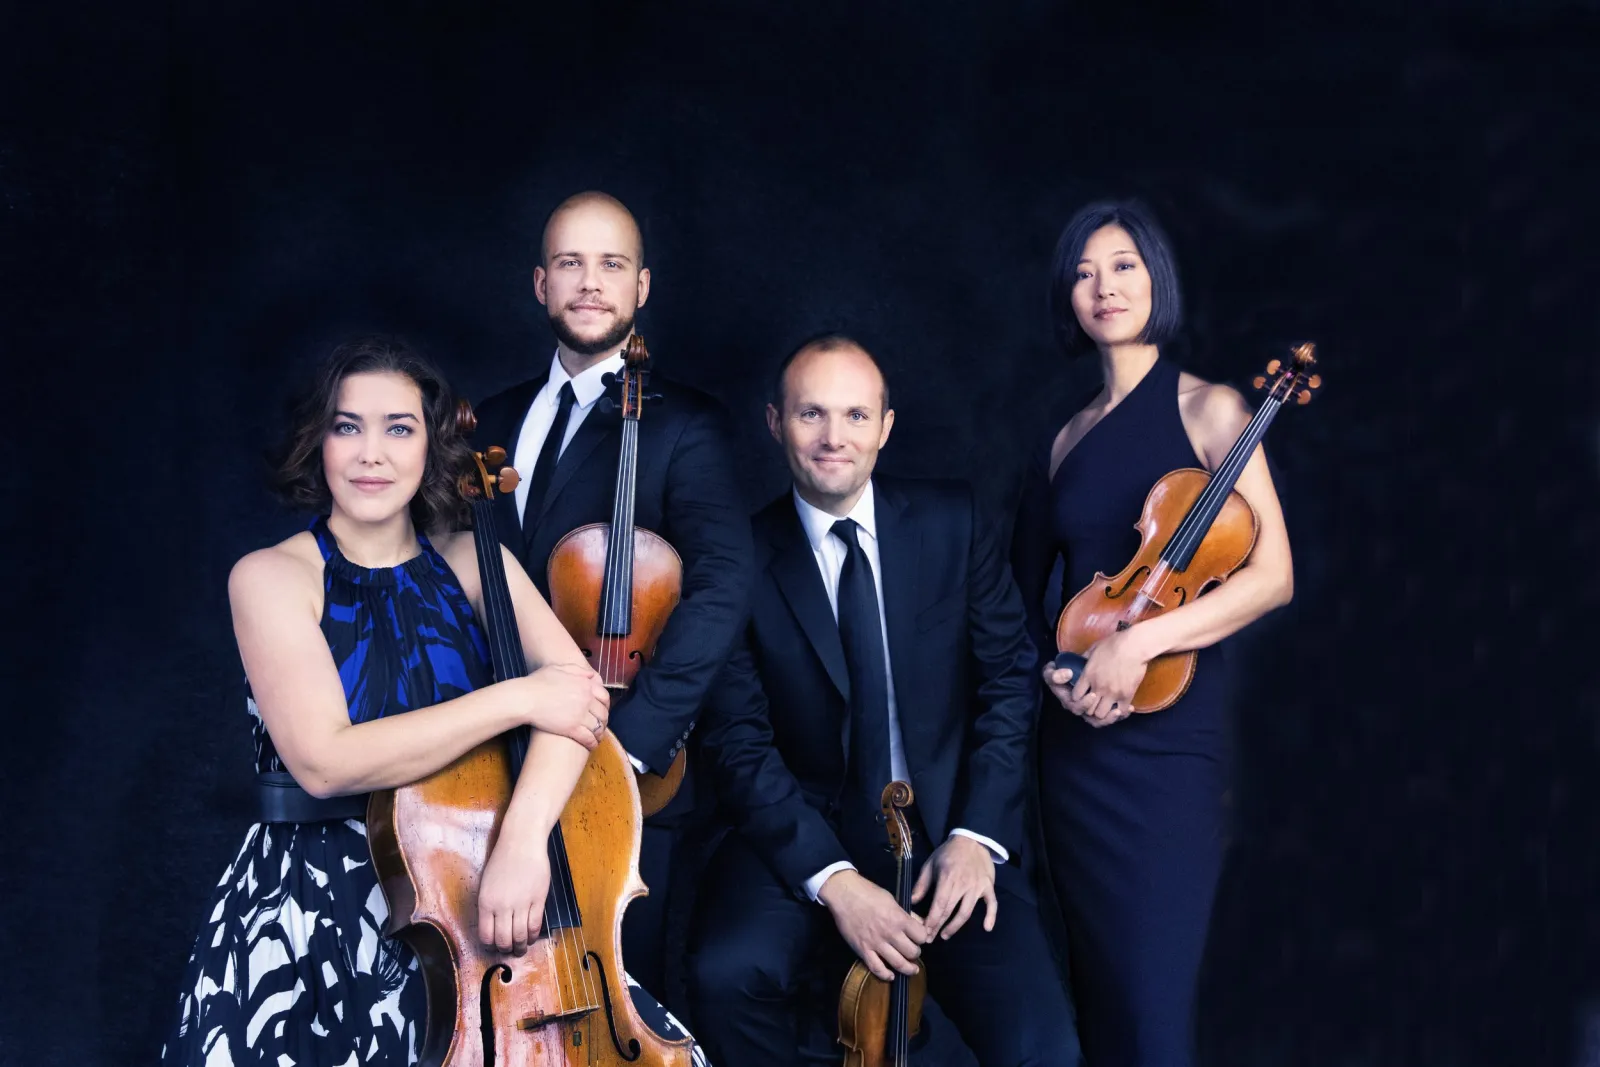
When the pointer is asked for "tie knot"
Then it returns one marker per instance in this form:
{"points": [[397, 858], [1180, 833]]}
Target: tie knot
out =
{"points": [[567, 397], [845, 530]]}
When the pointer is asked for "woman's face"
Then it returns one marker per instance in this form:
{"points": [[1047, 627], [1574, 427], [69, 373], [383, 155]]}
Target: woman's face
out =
{"points": [[377, 448], [1112, 294]]}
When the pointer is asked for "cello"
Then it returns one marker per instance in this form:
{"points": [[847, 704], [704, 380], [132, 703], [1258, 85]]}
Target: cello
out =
{"points": [[613, 594], [565, 1001], [1195, 531], [878, 1019]]}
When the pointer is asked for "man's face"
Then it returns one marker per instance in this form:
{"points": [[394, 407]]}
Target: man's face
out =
{"points": [[591, 284], [832, 424]]}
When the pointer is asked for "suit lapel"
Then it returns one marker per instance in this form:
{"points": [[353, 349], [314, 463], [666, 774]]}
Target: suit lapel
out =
{"points": [[596, 426], [506, 433], [795, 570], [899, 550]]}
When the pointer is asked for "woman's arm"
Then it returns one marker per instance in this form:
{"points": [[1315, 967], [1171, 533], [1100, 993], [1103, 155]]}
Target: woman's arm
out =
{"points": [[273, 595], [1116, 664], [1266, 581]]}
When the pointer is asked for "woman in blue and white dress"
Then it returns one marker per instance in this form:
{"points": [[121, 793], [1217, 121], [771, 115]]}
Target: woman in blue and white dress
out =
{"points": [[341, 629]]}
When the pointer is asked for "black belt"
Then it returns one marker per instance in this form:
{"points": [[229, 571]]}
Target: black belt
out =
{"points": [[279, 798]]}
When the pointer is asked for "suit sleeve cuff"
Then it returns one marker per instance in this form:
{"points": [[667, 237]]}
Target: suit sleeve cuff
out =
{"points": [[813, 885], [638, 764], [1000, 854]]}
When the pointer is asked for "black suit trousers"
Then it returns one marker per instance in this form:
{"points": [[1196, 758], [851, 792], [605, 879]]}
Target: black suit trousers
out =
{"points": [[766, 967]]}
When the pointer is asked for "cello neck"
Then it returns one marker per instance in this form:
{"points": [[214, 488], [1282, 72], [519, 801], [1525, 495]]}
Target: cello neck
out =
{"points": [[616, 590], [500, 618], [1181, 548]]}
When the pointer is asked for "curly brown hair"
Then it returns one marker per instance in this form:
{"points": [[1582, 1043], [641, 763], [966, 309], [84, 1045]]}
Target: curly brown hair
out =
{"points": [[297, 475]]}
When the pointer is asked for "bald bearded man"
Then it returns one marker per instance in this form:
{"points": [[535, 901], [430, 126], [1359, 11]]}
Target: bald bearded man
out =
{"points": [[563, 430]]}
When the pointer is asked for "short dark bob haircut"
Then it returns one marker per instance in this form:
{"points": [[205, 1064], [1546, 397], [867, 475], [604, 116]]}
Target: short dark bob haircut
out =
{"points": [[297, 475], [1166, 303]]}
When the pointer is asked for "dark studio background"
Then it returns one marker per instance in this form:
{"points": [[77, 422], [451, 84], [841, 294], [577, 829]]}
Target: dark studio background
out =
{"points": [[196, 204]]}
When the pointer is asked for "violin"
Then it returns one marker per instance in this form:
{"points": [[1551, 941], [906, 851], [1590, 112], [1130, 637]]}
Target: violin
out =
{"points": [[1195, 531], [878, 1019], [565, 1002], [612, 593]]}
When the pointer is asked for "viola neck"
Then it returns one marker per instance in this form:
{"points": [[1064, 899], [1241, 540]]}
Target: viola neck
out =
{"points": [[616, 590], [1197, 523], [500, 618], [897, 1040]]}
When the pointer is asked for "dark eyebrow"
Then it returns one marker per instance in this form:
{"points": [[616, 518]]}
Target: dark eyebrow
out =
{"points": [[352, 416], [396, 416]]}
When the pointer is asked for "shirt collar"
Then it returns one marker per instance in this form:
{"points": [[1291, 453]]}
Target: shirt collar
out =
{"points": [[819, 523], [587, 387]]}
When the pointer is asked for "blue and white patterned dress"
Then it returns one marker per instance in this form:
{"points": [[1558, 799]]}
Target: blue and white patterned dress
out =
{"points": [[290, 968]]}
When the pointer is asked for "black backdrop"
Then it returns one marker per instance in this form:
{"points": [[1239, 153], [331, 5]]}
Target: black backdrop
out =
{"points": [[195, 204]]}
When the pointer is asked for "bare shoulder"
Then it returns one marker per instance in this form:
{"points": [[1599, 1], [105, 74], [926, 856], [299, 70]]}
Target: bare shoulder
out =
{"points": [[460, 551], [1210, 405], [282, 571]]}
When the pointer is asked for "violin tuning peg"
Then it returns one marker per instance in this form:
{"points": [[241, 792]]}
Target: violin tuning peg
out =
{"points": [[1315, 381], [1272, 367], [1305, 396], [1259, 382]]}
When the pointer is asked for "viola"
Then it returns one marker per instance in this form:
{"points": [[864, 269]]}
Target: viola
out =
{"points": [[878, 1019], [565, 1002], [613, 593], [1195, 531]]}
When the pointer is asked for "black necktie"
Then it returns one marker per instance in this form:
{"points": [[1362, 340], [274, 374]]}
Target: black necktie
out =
{"points": [[545, 466], [862, 635]]}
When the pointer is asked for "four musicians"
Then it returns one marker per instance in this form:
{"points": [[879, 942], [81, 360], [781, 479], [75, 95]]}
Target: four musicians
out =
{"points": [[858, 630]]}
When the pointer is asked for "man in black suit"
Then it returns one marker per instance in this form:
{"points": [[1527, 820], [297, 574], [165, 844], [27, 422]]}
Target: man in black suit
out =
{"points": [[563, 432], [885, 641]]}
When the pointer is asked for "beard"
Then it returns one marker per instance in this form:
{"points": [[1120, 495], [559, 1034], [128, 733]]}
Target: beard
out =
{"points": [[611, 339]]}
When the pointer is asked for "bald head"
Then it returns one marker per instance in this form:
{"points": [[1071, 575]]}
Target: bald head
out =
{"points": [[817, 346], [586, 211]]}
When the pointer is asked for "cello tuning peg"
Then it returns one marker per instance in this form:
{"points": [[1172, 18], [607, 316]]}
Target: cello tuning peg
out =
{"points": [[509, 478], [1259, 382], [494, 455], [1272, 367]]}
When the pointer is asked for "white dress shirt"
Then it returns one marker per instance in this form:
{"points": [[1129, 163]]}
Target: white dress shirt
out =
{"points": [[830, 552], [587, 389]]}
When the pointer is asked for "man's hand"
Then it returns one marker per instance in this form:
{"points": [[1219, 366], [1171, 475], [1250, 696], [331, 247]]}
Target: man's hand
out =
{"points": [[961, 873], [868, 918]]}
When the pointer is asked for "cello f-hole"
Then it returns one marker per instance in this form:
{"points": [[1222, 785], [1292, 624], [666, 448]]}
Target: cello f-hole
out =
{"points": [[631, 1052]]}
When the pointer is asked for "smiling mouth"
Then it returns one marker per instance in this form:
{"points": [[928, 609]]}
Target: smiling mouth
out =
{"points": [[1106, 313]]}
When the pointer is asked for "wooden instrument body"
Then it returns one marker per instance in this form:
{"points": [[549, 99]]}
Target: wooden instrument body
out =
{"points": [[577, 571], [878, 1019], [864, 1003], [1148, 587], [549, 1005]]}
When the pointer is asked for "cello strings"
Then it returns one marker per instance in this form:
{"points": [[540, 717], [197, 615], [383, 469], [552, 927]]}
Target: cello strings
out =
{"points": [[501, 608]]}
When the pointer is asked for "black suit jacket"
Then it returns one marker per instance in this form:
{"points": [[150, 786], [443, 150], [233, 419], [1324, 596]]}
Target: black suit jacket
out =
{"points": [[687, 493], [965, 677]]}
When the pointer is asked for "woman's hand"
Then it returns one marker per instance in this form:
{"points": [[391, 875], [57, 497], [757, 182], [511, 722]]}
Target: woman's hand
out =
{"points": [[1115, 666], [511, 896], [569, 700]]}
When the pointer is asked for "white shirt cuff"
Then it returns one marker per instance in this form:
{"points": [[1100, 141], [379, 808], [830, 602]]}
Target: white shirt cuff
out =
{"points": [[813, 885], [1001, 855], [641, 768]]}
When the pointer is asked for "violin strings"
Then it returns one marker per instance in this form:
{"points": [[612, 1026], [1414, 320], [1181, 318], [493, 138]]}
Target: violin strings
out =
{"points": [[1194, 527]]}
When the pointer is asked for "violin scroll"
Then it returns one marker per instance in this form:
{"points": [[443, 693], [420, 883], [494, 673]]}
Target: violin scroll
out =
{"points": [[896, 798]]}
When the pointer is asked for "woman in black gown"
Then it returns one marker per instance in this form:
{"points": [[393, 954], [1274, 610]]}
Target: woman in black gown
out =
{"points": [[1133, 807]]}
